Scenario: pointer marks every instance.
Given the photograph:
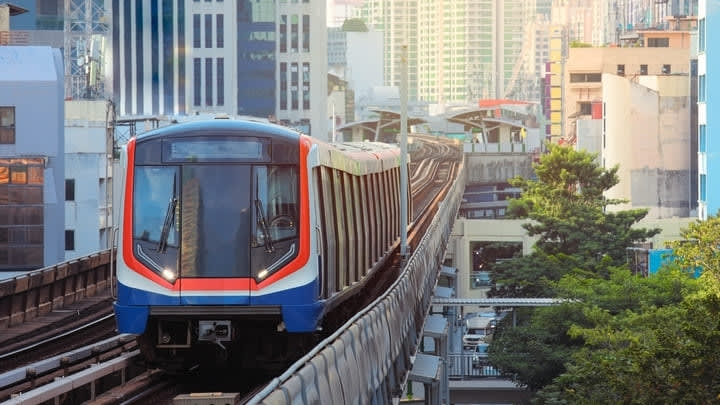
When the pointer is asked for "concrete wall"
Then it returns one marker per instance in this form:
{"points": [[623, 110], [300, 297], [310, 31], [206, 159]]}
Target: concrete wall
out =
{"points": [[647, 135], [670, 229], [466, 231], [497, 167], [589, 137]]}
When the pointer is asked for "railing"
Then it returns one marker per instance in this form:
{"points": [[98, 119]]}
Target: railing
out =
{"points": [[461, 367], [39, 292], [366, 361], [505, 147]]}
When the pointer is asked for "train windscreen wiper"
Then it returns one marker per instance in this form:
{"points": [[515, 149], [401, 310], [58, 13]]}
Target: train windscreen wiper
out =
{"points": [[264, 226], [169, 217]]}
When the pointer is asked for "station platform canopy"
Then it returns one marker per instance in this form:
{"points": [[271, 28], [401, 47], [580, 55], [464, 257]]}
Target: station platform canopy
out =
{"points": [[388, 122]]}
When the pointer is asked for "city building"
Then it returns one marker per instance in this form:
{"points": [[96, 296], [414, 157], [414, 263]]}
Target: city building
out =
{"points": [[708, 99], [32, 164], [632, 107], [261, 58], [88, 178], [458, 51], [355, 55]]}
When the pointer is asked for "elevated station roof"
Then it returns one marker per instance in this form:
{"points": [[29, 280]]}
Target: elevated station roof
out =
{"points": [[387, 119]]}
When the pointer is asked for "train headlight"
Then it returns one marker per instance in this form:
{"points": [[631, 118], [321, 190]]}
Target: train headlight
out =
{"points": [[263, 273], [169, 275]]}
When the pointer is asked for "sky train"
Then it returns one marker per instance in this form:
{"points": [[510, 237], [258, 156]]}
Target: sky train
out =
{"points": [[232, 229]]}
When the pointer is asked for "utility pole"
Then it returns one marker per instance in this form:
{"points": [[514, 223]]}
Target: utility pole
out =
{"points": [[403, 151]]}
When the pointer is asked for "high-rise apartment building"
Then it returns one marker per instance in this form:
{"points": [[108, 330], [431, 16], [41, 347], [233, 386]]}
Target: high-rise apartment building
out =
{"points": [[708, 100], [458, 51], [258, 58]]}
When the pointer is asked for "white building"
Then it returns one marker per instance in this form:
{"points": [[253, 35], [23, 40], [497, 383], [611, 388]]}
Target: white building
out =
{"points": [[258, 58], [458, 51], [88, 204]]}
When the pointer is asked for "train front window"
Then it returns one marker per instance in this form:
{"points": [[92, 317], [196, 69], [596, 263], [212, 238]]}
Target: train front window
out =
{"points": [[276, 197], [275, 218], [155, 218], [154, 192]]}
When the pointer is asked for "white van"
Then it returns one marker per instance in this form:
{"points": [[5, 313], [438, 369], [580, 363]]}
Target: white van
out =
{"points": [[479, 330]]}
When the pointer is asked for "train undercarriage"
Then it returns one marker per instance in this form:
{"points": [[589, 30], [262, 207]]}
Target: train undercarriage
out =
{"points": [[178, 344]]}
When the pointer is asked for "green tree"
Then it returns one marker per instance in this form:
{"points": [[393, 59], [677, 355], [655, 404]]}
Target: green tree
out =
{"points": [[568, 208], [699, 248], [667, 355], [536, 350]]}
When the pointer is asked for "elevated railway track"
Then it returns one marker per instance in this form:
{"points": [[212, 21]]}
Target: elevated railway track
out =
{"points": [[66, 291]]}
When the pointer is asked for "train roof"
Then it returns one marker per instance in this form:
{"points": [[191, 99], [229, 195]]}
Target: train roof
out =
{"points": [[359, 158], [222, 127]]}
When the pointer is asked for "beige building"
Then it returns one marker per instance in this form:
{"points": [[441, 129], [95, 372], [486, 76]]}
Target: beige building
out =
{"points": [[647, 133], [585, 67], [632, 107]]}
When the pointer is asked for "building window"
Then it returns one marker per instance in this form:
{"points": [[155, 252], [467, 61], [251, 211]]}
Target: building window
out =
{"points": [[306, 86], [7, 125], [585, 108], [294, 33], [283, 86], [220, 81], [701, 88], [306, 33], [208, 81], [643, 69], [703, 185], [283, 33], [621, 70], [658, 42], [208, 30], [294, 86], [585, 77], [197, 75], [666, 69], [69, 239], [701, 140], [219, 28], [21, 213], [69, 189], [196, 30], [701, 35]]}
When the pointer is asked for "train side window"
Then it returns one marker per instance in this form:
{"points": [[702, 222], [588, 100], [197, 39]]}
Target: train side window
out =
{"points": [[377, 215], [361, 225], [371, 216], [340, 230], [329, 231], [382, 205], [351, 229], [395, 202]]}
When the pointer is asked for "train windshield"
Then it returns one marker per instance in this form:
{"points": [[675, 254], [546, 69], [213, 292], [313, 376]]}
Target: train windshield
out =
{"points": [[215, 220]]}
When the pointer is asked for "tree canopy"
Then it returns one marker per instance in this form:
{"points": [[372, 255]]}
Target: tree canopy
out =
{"points": [[568, 207]]}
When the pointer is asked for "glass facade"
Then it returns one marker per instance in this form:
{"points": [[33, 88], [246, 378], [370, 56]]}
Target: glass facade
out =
{"points": [[256, 57], [21, 213]]}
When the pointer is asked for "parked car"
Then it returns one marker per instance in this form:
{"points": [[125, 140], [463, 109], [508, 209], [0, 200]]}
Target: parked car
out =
{"points": [[479, 330], [480, 355]]}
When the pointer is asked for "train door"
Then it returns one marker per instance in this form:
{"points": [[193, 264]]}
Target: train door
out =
{"points": [[215, 244]]}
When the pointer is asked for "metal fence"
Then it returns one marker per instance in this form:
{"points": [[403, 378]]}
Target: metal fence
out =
{"points": [[460, 367]]}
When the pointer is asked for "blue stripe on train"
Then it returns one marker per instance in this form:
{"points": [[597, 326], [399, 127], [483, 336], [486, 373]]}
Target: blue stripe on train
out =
{"points": [[300, 311]]}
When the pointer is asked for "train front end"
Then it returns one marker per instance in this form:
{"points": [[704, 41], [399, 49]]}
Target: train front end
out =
{"points": [[215, 240]]}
